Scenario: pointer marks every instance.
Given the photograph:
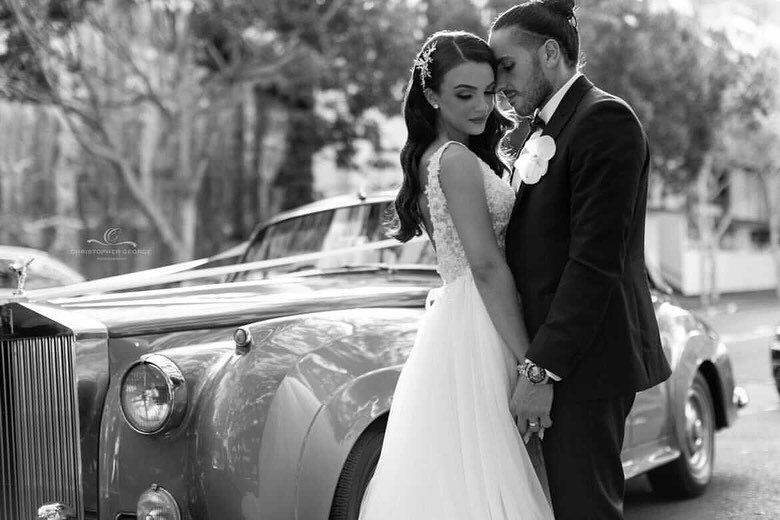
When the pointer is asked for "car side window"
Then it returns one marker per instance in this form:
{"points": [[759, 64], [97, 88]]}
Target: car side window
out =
{"points": [[374, 227], [408, 253], [328, 231], [294, 236]]}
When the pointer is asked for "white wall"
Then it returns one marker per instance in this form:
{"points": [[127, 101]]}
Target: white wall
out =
{"points": [[746, 196], [667, 244], [666, 235], [737, 271]]}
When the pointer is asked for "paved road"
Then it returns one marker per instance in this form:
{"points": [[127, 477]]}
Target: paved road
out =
{"points": [[746, 483]]}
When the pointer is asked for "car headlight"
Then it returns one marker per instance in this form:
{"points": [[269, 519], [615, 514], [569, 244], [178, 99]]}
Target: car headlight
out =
{"points": [[157, 504], [153, 395]]}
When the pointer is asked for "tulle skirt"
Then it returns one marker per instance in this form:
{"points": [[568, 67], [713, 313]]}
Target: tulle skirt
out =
{"points": [[451, 449]]}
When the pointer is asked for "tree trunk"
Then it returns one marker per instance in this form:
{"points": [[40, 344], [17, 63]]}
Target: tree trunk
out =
{"points": [[274, 145], [774, 238], [188, 214], [186, 193], [296, 177], [262, 111], [65, 174], [242, 178], [16, 160], [148, 145], [771, 182], [705, 223]]}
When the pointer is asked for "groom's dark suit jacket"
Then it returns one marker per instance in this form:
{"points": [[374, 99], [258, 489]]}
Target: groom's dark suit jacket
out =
{"points": [[575, 244]]}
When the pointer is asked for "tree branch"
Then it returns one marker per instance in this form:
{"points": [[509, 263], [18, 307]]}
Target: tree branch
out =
{"points": [[204, 160], [720, 188], [127, 58], [36, 44], [132, 96], [333, 9], [127, 172], [723, 226]]}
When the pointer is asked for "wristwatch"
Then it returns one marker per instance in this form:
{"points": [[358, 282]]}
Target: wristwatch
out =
{"points": [[533, 372]]}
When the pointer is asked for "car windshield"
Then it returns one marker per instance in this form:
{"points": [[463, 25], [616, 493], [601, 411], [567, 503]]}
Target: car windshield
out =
{"points": [[331, 230]]}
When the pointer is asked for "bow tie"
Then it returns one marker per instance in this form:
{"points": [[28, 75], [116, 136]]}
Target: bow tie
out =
{"points": [[536, 123]]}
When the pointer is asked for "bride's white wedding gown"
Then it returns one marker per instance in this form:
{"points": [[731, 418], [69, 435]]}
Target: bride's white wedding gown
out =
{"points": [[451, 449]]}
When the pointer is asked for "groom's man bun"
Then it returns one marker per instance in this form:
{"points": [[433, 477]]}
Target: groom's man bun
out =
{"points": [[539, 20], [564, 8]]}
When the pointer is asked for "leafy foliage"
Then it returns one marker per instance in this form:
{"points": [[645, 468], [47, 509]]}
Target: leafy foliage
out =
{"points": [[328, 63], [752, 126], [670, 70]]}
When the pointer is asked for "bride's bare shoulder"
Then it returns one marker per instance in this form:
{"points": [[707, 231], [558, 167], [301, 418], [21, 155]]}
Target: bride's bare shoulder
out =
{"points": [[457, 155]]}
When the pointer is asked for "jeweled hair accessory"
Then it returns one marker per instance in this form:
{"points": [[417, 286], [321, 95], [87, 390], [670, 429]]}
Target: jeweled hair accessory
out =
{"points": [[423, 63]]}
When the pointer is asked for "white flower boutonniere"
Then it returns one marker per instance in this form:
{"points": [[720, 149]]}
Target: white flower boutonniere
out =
{"points": [[534, 157]]}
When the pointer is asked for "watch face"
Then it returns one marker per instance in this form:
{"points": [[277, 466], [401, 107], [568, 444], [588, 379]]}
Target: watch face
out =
{"points": [[536, 374]]}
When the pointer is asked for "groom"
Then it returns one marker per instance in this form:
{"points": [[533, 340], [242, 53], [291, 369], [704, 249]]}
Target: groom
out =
{"points": [[575, 244]]}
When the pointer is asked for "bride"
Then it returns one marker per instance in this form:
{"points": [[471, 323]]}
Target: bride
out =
{"points": [[451, 449]]}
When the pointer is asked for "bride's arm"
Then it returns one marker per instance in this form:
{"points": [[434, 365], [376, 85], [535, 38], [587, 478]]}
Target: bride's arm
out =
{"points": [[462, 182]]}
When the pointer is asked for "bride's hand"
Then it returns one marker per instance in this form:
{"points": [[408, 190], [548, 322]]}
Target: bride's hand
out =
{"points": [[531, 405]]}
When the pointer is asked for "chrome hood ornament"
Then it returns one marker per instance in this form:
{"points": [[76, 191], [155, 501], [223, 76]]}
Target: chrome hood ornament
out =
{"points": [[19, 267], [56, 511]]}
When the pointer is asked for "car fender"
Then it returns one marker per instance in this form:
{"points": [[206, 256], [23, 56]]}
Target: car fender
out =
{"points": [[131, 462], [332, 393], [695, 347], [334, 432], [253, 421], [212, 457]]}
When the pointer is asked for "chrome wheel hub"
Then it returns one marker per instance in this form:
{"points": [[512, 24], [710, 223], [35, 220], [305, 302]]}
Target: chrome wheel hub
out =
{"points": [[698, 434]]}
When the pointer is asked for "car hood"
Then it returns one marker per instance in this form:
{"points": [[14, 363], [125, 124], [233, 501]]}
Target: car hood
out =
{"points": [[223, 305]]}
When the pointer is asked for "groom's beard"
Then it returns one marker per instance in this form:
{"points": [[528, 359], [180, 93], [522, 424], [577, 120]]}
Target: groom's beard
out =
{"points": [[538, 92]]}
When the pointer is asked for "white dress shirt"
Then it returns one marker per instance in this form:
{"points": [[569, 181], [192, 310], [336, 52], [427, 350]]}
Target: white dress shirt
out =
{"points": [[551, 106], [545, 114]]}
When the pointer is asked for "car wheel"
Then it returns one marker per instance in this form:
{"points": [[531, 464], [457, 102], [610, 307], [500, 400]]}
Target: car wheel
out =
{"points": [[357, 472], [689, 475]]}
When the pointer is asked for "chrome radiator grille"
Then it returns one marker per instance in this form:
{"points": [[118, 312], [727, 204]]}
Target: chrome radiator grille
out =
{"points": [[39, 431]]}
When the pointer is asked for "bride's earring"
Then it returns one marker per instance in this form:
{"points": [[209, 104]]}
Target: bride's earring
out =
{"points": [[435, 106]]}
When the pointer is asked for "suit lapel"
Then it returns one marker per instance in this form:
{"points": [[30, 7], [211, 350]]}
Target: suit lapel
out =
{"points": [[561, 117], [568, 105]]}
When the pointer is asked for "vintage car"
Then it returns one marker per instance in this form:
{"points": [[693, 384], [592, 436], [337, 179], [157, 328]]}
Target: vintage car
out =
{"points": [[266, 396]]}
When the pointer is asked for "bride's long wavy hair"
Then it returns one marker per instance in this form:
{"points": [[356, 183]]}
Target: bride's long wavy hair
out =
{"points": [[451, 49]]}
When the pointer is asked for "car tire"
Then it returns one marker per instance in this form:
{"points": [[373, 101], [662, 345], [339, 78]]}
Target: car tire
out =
{"points": [[357, 472], [689, 474]]}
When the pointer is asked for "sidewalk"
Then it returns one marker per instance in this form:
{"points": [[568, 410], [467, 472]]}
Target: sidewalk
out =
{"points": [[733, 302]]}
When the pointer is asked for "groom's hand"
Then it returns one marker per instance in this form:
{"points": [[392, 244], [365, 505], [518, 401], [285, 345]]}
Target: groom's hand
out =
{"points": [[531, 404]]}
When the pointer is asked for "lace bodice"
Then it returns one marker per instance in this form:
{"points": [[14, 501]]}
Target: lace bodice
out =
{"points": [[450, 257]]}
